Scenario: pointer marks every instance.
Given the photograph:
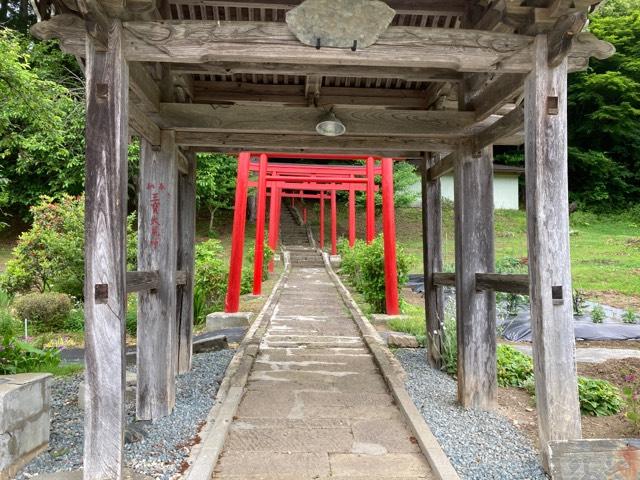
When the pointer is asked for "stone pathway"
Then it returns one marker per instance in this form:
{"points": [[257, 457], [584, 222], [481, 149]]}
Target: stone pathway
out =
{"points": [[315, 405]]}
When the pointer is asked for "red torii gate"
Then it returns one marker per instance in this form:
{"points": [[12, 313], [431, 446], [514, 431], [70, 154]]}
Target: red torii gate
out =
{"points": [[311, 177]]}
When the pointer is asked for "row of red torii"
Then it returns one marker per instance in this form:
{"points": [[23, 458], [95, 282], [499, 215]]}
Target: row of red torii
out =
{"points": [[296, 180]]}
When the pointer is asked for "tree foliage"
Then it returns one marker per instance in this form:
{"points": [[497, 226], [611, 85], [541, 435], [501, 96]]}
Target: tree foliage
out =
{"points": [[216, 183], [41, 124]]}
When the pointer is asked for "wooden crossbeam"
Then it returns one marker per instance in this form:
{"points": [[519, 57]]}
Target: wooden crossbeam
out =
{"points": [[201, 141], [497, 282], [145, 281], [508, 125], [305, 95], [442, 166], [296, 120]]}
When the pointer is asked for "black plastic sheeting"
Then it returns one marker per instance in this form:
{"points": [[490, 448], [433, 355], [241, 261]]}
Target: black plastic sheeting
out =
{"points": [[517, 328]]}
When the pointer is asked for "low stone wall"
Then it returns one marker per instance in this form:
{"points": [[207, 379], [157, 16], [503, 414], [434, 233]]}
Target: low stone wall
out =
{"points": [[24, 419]]}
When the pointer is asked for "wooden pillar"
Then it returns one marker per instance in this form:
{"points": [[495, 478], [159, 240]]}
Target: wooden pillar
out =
{"points": [[549, 256], [352, 216], [476, 311], [389, 236], [186, 263], [321, 220], [157, 250], [432, 260], [262, 206], [232, 300], [273, 225], [334, 224], [107, 134], [370, 201]]}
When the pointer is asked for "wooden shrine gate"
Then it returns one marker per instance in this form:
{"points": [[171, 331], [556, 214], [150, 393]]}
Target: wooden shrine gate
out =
{"points": [[442, 84]]}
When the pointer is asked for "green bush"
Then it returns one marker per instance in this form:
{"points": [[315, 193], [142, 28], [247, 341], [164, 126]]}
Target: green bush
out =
{"points": [[449, 347], [50, 255], [630, 317], [514, 367], [364, 267], [597, 314], [598, 397], [45, 311], [17, 356], [210, 283]]}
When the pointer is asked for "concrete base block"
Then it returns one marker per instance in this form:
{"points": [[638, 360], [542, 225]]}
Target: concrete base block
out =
{"points": [[384, 319], [221, 320], [402, 340], [210, 344], [24, 419]]}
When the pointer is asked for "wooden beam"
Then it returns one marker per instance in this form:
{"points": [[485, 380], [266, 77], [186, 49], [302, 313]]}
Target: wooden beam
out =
{"points": [[183, 161], [200, 141], [157, 250], [412, 74], [503, 282], [549, 255], [475, 311], [507, 126], [562, 34], [444, 279], [186, 263], [312, 86], [142, 281], [146, 128], [105, 257], [441, 167], [303, 121], [144, 88], [299, 95], [492, 96], [432, 260]]}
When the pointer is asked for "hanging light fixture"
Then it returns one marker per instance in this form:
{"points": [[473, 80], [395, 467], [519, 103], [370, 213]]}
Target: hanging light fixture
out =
{"points": [[329, 125]]}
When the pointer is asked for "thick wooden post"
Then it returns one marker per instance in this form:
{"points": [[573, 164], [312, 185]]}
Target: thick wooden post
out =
{"points": [[549, 256], [476, 311], [232, 300], [334, 224], [107, 134], [370, 202], [258, 260], [352, 216], [432, 260], [321, 220], [157, 250], [389, 236], [186, 262]]}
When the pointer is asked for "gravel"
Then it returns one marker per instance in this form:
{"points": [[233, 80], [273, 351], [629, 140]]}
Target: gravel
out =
{"points": [[166, 443], [480, 445]]}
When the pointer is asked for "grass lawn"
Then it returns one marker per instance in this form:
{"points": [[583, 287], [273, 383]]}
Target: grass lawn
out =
{"points": [[605, 249]]}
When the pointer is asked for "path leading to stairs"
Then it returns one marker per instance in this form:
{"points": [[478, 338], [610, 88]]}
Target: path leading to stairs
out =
{"points": [[315, 405]]}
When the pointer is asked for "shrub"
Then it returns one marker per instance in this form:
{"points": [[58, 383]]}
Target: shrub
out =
{"points": [[579, 302], [210, 282], [598, 397], [449, 347], [514, 367], [630, 317], [364, 266], [50, 255], [597, 314], [631, 394], [46, 311], [17, 356]]}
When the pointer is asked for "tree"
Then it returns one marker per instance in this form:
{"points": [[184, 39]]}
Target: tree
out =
{"points": [[216, 183], [41, 124]]}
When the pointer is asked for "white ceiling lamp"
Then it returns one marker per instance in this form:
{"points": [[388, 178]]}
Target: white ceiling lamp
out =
{"points": [[329, 125]]}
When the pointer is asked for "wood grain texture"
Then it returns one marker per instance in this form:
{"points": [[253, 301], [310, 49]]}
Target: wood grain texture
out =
{"points": [[432, 260], [504, 128], [442, 166], [142, 281], [186, 262], [347, 142], [157, 250], [303, 120], [202, 41], [549, 257], [105, 253], [475, 311]]}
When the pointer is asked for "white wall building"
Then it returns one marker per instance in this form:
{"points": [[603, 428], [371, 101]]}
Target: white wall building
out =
{"points": [[505, 187]]}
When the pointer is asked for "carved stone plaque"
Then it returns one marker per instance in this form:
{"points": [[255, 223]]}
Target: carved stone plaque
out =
{"points": [[351, 24]]}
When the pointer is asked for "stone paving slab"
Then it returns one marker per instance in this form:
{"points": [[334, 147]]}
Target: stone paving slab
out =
{"points": [[315, 405]]}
